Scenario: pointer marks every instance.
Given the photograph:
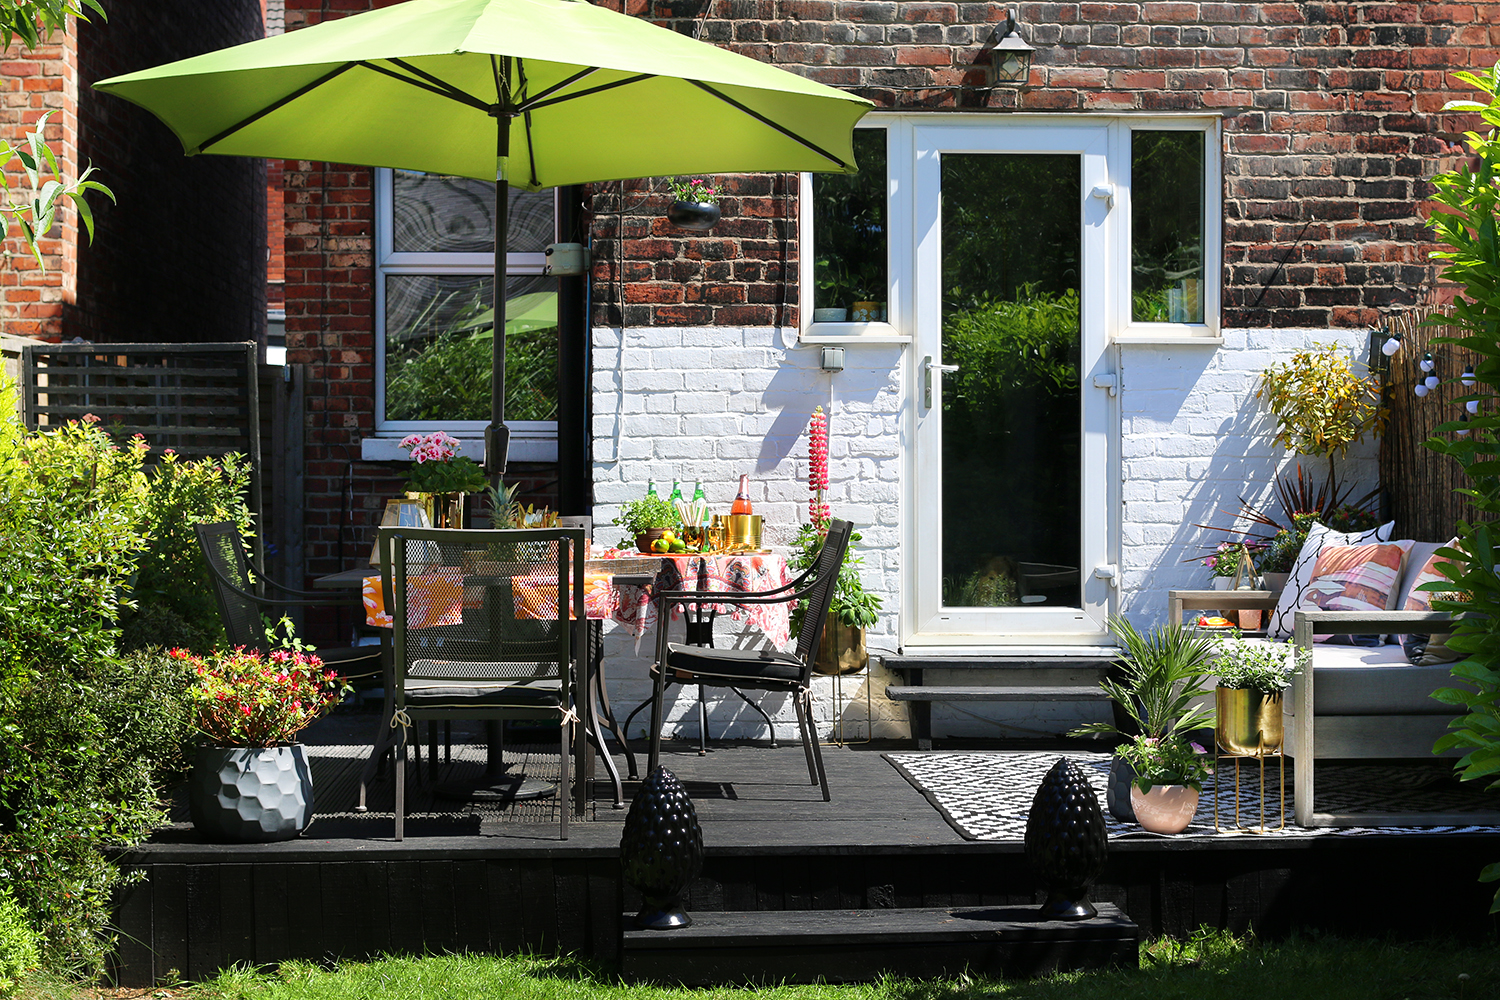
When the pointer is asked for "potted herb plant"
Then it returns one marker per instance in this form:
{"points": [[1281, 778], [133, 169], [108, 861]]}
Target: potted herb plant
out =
{"points": [[1253, 674], [695, 204], [646, 520], [1169, 775], [251, 781], [1161, 678], [441, 478]]}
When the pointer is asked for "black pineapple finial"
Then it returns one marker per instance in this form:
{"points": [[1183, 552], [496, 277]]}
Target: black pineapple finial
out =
{"points": [[1066, 841], [661, 850]]}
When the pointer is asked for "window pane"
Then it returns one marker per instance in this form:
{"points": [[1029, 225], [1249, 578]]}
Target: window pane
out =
{"points": [[1166, 227], [438, 345], [849, 234], [437, 214]]}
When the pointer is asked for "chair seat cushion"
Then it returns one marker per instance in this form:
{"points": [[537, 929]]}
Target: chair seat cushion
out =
{"points": [[733, 665], [438, 683], [1378, 680]]}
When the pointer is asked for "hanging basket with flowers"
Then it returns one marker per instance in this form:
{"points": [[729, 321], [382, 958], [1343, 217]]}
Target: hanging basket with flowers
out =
{"points": [[695, 204]]}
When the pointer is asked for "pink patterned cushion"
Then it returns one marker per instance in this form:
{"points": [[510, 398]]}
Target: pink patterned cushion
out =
{"points": [[1421, 600], [1356, 578]]}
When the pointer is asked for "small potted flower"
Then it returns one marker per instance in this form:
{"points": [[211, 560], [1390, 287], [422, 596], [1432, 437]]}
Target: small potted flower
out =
{"points": [[441, 478], [695, 204], [1253, 674], [251, 781], [646, 521], [1169, 776]]}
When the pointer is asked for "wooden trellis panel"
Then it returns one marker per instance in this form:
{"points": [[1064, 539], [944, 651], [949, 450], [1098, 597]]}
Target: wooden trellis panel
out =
{"points": [[200, 400]]}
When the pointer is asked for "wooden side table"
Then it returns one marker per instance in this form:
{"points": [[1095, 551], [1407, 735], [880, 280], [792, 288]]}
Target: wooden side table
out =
{"points": [[1229, 600]]}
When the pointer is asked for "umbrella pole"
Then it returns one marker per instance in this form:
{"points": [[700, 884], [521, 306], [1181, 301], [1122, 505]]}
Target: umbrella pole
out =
{"points": [[497, 435]]}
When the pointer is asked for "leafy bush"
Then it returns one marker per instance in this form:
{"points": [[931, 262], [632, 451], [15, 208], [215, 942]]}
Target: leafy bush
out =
{"points": [[174, 604], [1321, 406], [85, 737], [18, 951]]}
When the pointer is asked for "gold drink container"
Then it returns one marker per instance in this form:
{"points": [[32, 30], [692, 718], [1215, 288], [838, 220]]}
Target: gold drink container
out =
{"points": [[744, 532]]}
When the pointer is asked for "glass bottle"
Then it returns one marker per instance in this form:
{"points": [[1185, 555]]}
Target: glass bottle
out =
{"points": [[676, 493], [742, 499], [651, 487], [698, 490]]}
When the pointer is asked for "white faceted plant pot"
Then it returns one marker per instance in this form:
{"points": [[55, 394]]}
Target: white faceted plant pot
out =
{"points": [[251, 794]]}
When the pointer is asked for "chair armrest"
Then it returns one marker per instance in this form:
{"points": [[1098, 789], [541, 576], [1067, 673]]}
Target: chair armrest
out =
{"points": [[1248, 600], [727, 597], [315, 600]]}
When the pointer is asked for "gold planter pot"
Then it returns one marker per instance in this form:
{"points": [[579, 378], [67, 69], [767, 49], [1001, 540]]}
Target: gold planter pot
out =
{"points": [[841, 648], [1249, 722]]}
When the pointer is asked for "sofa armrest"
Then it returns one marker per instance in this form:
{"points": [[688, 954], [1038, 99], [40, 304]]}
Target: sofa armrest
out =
{"points": [[1246, 600], [1310, 623]]}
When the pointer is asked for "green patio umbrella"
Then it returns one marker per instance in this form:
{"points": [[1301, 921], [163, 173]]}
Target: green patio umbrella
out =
{"points": [[535, 93]]}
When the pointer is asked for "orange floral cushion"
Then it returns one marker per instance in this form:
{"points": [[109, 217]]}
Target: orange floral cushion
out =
{"points": [[1356, 578]]}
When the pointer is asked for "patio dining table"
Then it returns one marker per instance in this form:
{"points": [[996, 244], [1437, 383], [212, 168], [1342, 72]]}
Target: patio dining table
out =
{"points": [[622, 589]]}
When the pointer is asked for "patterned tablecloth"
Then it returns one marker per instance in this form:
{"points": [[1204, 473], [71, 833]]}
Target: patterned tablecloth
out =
{"points": [[437, 600]]}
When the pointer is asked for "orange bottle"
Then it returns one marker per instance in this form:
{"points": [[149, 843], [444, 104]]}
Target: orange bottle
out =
{"points": [[742, 500]]}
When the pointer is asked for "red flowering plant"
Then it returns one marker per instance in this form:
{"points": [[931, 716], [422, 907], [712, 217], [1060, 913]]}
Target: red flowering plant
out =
{"points": [[244, 698]]}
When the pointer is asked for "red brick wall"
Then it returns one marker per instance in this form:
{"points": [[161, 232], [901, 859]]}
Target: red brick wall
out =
{"points": [[1331, 121], [182, 256]]}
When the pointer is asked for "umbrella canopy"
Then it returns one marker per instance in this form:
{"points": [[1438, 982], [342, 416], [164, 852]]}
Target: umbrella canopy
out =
{"points": [[536, 93]]}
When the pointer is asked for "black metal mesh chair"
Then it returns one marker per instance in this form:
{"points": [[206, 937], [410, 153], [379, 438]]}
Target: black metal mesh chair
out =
{"points": [[483, 629], [246, 614], [755, 669]]}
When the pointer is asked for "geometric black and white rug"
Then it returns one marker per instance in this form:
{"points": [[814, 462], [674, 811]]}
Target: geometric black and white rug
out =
{"points": [[987, 796]]}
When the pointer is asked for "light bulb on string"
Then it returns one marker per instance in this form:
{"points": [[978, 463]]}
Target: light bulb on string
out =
{"points": [[1431, 381], [1392, 345], [1467, 378], [1427, 363], [1463, 431], [1420, 389], [1472, 406]]}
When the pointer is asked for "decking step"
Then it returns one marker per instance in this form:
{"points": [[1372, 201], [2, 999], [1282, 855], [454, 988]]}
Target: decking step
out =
{"points": [[960, 692], [805, 946]]}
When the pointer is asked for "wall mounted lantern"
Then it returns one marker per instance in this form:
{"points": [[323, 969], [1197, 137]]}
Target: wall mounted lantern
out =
{"points": [[1010, 59]]}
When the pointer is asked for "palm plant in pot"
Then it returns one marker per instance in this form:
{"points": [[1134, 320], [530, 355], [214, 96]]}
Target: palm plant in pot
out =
{"points": [[1253, 674], [1158, 693], [250, 781]]}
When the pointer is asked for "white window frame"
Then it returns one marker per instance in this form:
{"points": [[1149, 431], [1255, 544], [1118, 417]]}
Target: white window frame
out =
{"points": [[1124, 328], [531, 440]]}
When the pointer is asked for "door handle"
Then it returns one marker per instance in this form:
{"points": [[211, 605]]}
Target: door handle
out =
{"points": [[928, 367]]}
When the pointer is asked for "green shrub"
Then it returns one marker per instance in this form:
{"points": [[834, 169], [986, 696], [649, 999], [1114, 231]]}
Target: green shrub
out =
{"points": [[18, 951], [175, 605]]}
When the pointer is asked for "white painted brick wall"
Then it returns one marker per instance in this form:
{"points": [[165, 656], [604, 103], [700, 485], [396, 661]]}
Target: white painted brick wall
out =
{"points": [[713, 403]]}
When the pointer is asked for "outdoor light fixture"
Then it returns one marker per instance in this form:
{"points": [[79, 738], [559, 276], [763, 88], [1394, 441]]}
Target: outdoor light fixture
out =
{"points": [[1392, 343], [1010, 59]]}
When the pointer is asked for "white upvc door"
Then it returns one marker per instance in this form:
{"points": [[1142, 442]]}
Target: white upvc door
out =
{"points": [[1009, 501]]}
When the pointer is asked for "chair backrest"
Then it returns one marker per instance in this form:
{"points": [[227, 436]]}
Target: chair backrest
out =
{"points": [[820, 594], [229, 572], [479, 606]]}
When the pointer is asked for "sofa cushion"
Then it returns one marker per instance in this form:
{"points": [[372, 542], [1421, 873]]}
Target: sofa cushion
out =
{"points": [[1318, 536], [1378, 680], [1422, 648], [1355, 578]]}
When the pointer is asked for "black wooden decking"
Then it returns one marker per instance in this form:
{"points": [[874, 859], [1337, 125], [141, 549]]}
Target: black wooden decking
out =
{"points": [[475, 877]]}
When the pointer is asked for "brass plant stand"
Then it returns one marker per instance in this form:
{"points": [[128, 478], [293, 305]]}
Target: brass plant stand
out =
{"points": [[1261, 757]]}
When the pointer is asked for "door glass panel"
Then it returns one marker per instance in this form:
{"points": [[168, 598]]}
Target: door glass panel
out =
{"points": [[1011, 414]]}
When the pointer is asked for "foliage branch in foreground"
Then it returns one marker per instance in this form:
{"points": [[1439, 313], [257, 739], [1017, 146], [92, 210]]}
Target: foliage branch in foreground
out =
{"points": [[1468, 200]]}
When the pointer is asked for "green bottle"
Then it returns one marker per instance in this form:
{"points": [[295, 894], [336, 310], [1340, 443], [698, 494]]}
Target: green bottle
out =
{"points": [[651, 487], [676, 493]]}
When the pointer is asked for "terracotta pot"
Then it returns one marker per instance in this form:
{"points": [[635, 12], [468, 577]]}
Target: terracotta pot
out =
{"points": [[1249, 722], [1164, 808], [644, 539]]}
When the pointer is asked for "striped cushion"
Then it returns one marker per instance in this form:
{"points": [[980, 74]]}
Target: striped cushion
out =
{"points": [[1319, 536], [1356, 578]]}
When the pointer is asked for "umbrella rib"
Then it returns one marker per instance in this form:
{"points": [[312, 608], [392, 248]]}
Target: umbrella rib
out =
{"points": [[434, 84], [769, 123], [268, 109], [566, 83], [535, 104]]}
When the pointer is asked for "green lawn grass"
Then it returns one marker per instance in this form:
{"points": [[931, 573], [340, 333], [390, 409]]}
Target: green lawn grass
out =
{"points": [[1212, 966]]}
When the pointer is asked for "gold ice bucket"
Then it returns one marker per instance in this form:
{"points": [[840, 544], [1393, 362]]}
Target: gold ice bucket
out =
{"points": [[744, 533]]}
